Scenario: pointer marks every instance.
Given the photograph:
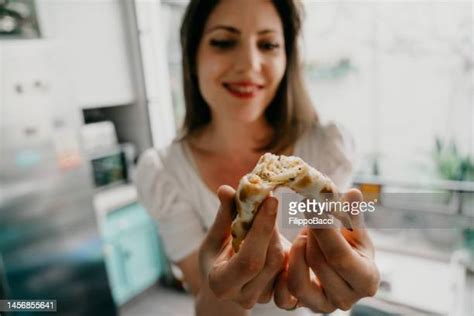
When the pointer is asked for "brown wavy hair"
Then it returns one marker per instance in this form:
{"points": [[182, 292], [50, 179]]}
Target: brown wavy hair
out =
{"points": [[290, 113]]}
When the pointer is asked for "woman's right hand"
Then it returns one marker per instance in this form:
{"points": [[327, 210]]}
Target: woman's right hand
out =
{"points": [[246, 277]]}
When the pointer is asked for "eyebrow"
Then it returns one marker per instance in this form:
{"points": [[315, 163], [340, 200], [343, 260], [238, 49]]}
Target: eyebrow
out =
{"points": [[234, 30]]}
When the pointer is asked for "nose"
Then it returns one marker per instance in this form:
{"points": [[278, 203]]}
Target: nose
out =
{"points": [[248, 59]]}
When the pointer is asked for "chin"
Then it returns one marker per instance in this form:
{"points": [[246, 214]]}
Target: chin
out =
{"points": [[247, 116], [247, 112]]}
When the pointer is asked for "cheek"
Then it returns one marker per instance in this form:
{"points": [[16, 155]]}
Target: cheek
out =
{"points": [[276, 71], [210, 69], [280, 68], [204, 72]]}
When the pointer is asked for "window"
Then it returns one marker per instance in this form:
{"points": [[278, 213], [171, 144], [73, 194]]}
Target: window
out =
{"points": [[397, 75]]}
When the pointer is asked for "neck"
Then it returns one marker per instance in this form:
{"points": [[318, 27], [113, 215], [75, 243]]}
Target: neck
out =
{"points": [[231, 137]]}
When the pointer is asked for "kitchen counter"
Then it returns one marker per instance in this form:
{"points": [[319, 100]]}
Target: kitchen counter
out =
{"points": [[111, 199], [414, 273]]}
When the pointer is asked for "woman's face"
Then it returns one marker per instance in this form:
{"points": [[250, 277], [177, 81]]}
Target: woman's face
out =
{"points": [[241, 59]]}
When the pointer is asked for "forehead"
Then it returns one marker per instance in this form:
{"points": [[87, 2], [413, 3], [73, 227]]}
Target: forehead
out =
{"points": [[245, 15]]}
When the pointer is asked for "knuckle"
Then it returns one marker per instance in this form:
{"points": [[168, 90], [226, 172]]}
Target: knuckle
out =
{"points": [[247, 303], [265, 298], [341, 303], [339, 261], [372, 291], [369, 290], [217, 290], [276, 260], [284, 302], [315, 261], [372, 285], [326, 309], [279, 301], [279, 304], [295, 288], [337, 303], [372, 288], [345, 306], [219, 293], [250, 265]]}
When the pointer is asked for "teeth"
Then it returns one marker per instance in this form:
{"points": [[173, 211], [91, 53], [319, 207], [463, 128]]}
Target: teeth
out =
{"points": [[241, 89]]}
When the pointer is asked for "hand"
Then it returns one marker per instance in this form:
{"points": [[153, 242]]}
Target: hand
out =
{"points": [[248, 276], [329, 268]]}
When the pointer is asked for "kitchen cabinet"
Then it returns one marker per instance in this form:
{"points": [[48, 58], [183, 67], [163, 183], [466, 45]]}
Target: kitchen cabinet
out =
{"points": [[133, 254], [92, 39]]}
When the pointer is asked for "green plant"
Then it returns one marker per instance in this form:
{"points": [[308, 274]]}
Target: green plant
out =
{"points": [[450, 163]]}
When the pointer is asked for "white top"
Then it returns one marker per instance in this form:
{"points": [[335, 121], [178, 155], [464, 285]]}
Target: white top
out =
{"points": [[170, 188]]}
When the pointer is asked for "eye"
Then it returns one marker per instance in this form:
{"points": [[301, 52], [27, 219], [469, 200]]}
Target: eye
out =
{"points": [[222, 44], [269, 46]]}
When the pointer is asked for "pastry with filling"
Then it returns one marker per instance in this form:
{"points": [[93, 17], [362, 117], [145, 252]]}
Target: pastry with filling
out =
{"points": [[270, 172]]}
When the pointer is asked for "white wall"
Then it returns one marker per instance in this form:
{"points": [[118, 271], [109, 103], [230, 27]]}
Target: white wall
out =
{"points": [[412, 78], [92, 42], [152, 25]]}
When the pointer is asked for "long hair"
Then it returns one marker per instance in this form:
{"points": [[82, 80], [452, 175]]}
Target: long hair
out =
{"points": [[290, 113]]}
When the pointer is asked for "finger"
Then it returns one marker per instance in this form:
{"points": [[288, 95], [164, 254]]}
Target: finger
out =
{"points": [[336, 249], [220, 229], [267, 293], [332, 243], [338, 291], [218, 233], [228, 278], [354, 195], [259, 235], [359, 237], [282, 296], [307, 291], [252, 254], [359, 271], [262, 285]]}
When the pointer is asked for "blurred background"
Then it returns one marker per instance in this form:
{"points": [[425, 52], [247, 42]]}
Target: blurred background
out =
{"points": [[87, 85]]}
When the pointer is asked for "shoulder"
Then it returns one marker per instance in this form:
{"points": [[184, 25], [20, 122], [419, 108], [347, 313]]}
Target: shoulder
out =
{"points": [[160, 160], [331, 136], [329, 132], [165, 190], [330, 148], [158, 174], [337, 137]]}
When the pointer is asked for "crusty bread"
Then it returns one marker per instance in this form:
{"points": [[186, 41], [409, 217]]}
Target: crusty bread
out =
{"points": [[270, 172]]}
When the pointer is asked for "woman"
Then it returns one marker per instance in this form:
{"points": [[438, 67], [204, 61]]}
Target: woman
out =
{"points": [[244, 96]]}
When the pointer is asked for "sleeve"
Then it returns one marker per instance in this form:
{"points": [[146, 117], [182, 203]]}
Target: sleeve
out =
{"points": [[178, 224], [340, 155]]}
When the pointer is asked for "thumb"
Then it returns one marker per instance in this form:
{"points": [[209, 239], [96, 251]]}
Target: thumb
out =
{"points": [[220, 229], [359, 236], [354, 197]]}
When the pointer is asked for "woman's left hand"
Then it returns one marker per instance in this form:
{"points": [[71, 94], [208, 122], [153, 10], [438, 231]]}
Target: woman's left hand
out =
{"points": [[343, 266]]}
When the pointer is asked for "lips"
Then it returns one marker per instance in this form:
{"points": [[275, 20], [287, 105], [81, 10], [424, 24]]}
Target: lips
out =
{"points": [[243, 89]]}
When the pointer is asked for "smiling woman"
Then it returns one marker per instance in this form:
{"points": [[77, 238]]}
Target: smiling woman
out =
{"points": [[240, 55], [227, 55], [245, 96]]}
